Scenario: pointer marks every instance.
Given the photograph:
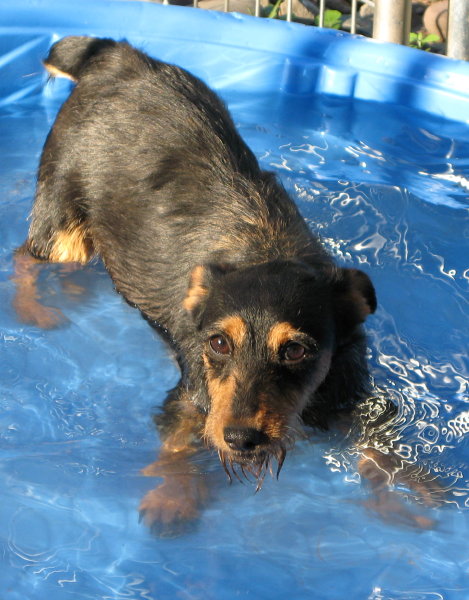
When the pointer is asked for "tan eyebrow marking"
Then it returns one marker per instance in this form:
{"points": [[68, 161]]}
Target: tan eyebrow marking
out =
{"points": [[280, 334], [235, 328]]}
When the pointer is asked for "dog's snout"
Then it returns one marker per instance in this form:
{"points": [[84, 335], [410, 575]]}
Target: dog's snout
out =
{"points": [[244, 438]]}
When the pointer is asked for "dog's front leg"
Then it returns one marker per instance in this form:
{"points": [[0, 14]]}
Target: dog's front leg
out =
{"points": [[374, 425], [172, 506], [169, 509], [381, 472]]}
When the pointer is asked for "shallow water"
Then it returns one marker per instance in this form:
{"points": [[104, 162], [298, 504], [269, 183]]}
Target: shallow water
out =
{"points": [[387, 191]]}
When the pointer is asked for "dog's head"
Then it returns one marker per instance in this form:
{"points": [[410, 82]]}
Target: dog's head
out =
{"points": [[266, 339]]}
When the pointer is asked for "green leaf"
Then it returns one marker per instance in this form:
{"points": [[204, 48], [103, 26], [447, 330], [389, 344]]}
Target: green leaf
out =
{"points": [[332, 19], [431, 38]]}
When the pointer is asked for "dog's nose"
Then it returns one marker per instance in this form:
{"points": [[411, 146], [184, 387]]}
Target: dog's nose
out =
{"points": [[244, 438]]}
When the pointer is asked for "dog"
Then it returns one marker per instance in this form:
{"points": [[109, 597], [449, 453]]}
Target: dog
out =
{"points": [[145, 169]]}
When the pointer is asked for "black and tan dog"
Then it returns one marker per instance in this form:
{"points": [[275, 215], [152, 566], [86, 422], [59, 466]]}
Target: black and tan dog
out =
{"points": [[145, 169]]}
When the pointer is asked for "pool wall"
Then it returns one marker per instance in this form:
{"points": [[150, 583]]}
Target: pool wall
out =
{"points": [[256, 55]]}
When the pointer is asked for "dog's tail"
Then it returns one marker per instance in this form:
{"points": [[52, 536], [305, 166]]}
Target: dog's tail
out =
{"points": [[69, 56]]}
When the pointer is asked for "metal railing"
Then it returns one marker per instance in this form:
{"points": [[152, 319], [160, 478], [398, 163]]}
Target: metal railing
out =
{"points": [[458, 29], [392, 24], [392, 21]]}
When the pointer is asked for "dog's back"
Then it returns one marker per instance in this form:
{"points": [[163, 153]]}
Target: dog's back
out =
{"points": [[145, 168]]}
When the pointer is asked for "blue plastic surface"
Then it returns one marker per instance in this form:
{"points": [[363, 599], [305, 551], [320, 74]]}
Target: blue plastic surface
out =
{"points": [[258, 56], [354, 130]]}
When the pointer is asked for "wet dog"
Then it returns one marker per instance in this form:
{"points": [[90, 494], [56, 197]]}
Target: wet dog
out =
{"points": [[144, 168]]}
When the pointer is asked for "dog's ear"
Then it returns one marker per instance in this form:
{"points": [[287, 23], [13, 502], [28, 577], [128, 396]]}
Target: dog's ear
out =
{"points": [[202, 279], [354, 300]]}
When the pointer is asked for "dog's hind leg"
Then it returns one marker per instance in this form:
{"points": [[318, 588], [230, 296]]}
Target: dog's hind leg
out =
{"points": [[26, 299], [58, 233]]}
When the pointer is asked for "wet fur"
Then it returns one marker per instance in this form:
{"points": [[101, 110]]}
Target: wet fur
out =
{"points": [[145, 169]]}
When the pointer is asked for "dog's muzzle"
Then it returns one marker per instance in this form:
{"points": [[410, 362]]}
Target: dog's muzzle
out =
{"points": [[245, 439], [251, 450]]}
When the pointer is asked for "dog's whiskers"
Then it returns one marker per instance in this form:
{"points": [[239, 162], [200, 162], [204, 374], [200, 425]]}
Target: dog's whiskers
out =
{"points": [[235, 472], [222, 458], [281, 454], [246, 475], [262, 473], [258, 470]]}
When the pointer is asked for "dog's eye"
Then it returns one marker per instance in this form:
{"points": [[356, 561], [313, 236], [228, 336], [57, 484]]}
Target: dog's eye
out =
{"points": [[219, 345], [294, 352]]}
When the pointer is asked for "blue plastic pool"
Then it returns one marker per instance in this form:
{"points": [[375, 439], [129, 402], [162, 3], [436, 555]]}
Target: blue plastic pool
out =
{"points": [[372, 141]]}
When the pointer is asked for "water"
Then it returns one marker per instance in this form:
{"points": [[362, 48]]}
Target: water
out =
{"points": [[386, 188]]}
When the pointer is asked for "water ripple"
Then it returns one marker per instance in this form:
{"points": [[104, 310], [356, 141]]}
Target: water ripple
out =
{"points": [[387, 193]]}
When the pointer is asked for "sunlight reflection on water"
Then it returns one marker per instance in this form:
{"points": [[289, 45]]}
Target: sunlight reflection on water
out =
{"points": [[75, 426]]}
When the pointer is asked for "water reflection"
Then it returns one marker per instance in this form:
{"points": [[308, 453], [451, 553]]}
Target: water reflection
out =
{"points": [[386, 193], [406, 237]]}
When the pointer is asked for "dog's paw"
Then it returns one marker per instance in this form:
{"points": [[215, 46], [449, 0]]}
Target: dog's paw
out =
{"points": [[430, 490], [380, 473], [172, 508], [74, 291], [391, 508], [32, 312]]}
